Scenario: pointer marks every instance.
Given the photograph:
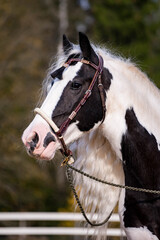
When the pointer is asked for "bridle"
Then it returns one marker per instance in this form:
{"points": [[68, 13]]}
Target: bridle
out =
{"points": [[60, 131]]}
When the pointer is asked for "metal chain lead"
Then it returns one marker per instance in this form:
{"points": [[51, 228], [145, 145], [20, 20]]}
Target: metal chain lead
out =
{"points": [[114, 184], [79, 203]]}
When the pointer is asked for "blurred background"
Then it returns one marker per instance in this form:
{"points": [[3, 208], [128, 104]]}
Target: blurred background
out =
{"points": [[30, 35]]}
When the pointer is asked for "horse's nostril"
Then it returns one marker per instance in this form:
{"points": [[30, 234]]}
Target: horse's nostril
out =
{"points": [[33, 142], [49, 138], [36, 138]]}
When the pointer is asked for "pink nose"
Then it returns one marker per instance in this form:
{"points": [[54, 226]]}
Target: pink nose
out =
{"points": [[37, 138]]}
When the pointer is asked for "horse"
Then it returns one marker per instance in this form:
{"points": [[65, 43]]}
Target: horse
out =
{"points": [[108, 112]]}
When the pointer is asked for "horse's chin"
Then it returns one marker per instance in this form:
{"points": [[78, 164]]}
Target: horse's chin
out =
{"points": [[45, 153]]}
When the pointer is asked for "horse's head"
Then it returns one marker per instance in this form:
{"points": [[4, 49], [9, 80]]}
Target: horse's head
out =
{"points": [[66, 89]]}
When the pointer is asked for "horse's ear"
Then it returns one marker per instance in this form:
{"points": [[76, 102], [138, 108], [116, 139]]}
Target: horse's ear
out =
{"points": [[86, 48], [67, 45]]}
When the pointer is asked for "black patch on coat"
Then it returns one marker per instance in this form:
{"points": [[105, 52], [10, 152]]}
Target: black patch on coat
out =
{"points": [[91, 112], [58, 73], [48, 139], [142, 169]]}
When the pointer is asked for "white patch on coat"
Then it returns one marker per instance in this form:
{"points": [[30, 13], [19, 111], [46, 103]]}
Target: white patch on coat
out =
{"points": [[54, 95], [121, 207], [57, 89], [139, 234]]}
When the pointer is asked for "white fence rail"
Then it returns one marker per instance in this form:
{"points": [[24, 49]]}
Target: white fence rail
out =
{"points": [[23, 217]]}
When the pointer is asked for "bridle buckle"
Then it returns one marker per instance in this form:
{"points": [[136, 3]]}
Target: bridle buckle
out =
{"points": [[88, 92], [69, 159], [85, 61]]}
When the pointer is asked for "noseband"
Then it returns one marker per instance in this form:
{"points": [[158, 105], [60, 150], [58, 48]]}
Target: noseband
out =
{"points": [[59, 131]]}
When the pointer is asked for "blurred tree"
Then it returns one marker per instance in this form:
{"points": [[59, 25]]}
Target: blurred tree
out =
{"points": [[28, 38], [63, 20], [132, 27]]}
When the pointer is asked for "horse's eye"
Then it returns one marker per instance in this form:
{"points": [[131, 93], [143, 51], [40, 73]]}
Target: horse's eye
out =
{"points": [[76, 85]]}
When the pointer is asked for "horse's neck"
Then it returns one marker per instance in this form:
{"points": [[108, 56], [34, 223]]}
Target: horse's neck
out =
{"points": [[92, 149], [95, 156], [130, 88]]}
